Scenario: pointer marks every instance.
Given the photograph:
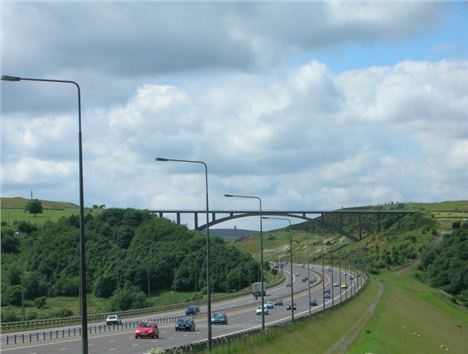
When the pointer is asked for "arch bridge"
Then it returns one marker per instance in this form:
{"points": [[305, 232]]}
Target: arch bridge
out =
{"points": [[327, 219]]}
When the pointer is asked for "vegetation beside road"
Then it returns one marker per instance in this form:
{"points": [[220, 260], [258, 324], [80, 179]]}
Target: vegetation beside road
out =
{"points": [[127, 251], [314, 335], [413, 318]]}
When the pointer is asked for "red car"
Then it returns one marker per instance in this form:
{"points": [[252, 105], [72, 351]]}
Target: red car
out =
{"points": [[147, 328]]}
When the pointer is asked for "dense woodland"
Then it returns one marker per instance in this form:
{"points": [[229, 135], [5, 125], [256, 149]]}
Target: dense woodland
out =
{"points": [[127, 250], [446, 265]]}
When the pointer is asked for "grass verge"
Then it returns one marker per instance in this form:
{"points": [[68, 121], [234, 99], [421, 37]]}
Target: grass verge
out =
{"points": [[413, 318], [314, 335]]}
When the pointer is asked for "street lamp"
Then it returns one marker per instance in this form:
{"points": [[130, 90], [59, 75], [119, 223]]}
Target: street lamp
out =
{"points": [[84, 315], [308, 277], [323, 281], [290, 262], [261, 249], [208, 271]]}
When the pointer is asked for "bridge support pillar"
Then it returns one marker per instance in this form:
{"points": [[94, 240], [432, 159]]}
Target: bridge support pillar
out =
{"points": [[195, 220], [360, 226], [178, 218]]}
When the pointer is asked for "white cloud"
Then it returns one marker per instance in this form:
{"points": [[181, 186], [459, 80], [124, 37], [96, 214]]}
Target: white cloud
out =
{"points": [[258, 134]]}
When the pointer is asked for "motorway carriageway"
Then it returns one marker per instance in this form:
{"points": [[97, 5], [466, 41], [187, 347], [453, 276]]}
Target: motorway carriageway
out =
{"points": [[240, 311]]}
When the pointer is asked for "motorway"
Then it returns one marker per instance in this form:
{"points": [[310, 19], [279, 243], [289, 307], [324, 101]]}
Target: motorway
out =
{"points": [[240, 312]]}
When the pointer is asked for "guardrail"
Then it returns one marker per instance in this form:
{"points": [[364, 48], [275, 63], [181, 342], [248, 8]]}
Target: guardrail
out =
{"points": [[9, 339], [61, 321], [201, 346]]}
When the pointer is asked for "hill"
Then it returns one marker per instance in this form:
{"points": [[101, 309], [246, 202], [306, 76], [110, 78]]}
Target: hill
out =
{"points": [[128, 251], [12, 211], [230, 234]]}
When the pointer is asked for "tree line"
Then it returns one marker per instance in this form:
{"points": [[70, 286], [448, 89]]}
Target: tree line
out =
{"points": [[129, 253], [446, 265]]}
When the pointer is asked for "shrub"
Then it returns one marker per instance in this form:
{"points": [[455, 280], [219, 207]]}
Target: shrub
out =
{"points": [[63, 313], [41, 302]]}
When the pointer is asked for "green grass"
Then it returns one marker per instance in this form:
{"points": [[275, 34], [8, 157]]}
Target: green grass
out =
{"points": [[276, 244], [314, 335], [413, 318], [12, 209]]}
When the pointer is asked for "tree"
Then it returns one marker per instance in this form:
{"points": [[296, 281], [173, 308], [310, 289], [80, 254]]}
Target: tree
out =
{"points": [[34, 207]]}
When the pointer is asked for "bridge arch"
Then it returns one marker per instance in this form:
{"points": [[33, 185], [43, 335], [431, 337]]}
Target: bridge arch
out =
{"points": [[250, 214]]}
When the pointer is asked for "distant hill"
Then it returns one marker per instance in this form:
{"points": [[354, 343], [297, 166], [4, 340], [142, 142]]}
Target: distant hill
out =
{"points": [[20, 203], [231, 234]]}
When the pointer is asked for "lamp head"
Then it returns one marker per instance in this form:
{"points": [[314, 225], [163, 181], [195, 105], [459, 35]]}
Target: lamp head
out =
{"points": [[10, 78], [162, 159], [229, 195]]}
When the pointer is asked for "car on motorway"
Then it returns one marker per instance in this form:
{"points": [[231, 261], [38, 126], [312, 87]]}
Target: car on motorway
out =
{"points": [[326, 296], [185, 324], [293, 306], [269, 305], [219, 318], [313, 280], [313, 302], [305, 279], [344, 286], [192, 310], [278, 302], [336, 285], [147, 328], [259, 310], [113, 320], [327, 291]]}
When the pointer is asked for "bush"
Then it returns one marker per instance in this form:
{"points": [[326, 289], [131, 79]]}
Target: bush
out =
{"points": [[41, 302], [26, 227], [63, 313], [9, 315], [13, 296], [129, 298]]}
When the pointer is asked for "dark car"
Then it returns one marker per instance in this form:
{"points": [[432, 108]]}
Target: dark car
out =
{"points": [[185, 324], [278, 302], [219, 318], [326, 296], [192, 310], [313, 302], [147, 328], [305, 279], [289, 306]]}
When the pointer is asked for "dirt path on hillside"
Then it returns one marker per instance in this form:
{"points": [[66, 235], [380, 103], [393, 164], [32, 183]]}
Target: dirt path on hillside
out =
{"points": [[350, 336], [435, 241]]}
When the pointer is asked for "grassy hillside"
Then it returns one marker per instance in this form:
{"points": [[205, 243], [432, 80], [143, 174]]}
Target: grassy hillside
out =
{"points": [[413, 318], [276, 244], [12, 209]]}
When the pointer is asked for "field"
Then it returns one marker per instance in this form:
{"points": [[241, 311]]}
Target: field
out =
{"points": [[413, 318], [13, 210]]}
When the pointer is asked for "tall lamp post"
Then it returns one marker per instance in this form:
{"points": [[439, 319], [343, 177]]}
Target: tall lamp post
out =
{"points": [[208, 267], [84, 314], [308, 277], [261, 249], [290, 261]]}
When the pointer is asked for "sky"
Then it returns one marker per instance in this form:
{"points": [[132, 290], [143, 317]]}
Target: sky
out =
{"points": [[308, 105]]}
